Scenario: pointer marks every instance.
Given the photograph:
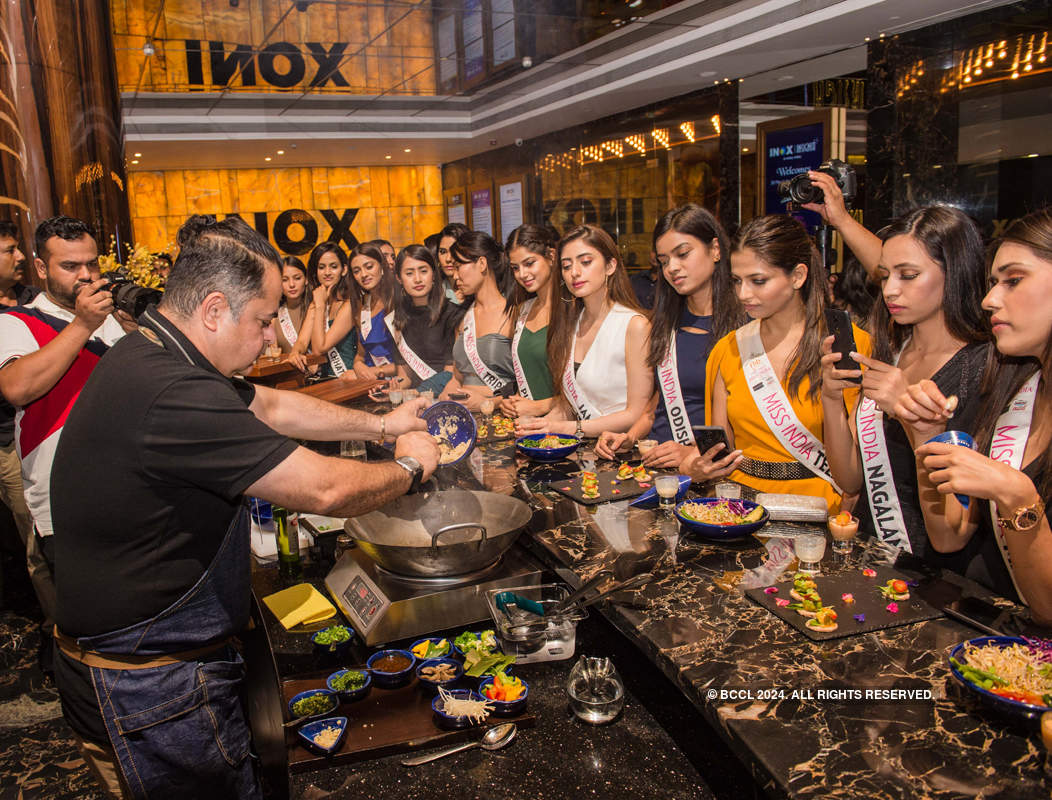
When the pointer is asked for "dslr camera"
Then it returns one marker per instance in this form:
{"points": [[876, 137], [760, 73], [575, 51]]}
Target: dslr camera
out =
{"points": [[799, 190], [128, 296]]}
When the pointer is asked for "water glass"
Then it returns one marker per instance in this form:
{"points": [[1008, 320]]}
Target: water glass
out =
{"points": [[667, 487], [596, 691], [410, 394], [395, 396], [729, 491], [644, 446], [809, 549], [429, 395], [352, 449]]}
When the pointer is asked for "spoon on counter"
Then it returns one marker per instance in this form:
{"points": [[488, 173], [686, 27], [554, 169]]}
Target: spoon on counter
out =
{"points": [[495, 738]]}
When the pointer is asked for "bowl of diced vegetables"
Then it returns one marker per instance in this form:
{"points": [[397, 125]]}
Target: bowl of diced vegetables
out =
{"points": [[334, 641], [547, 446], [312, 704], [1010, 674], [721, 519], [350, 684], [431, 647], [435, 672], [507, 693], [482, 655]]}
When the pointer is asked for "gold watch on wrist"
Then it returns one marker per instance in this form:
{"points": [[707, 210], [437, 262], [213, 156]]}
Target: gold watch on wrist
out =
{"points": [[1024, 519]]}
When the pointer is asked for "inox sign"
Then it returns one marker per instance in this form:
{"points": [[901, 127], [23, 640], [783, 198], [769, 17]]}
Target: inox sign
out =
{"points": [[296, 231], [280, 64]]}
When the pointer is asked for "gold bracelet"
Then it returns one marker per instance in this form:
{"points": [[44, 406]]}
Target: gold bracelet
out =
{"points": [[383, 429]]}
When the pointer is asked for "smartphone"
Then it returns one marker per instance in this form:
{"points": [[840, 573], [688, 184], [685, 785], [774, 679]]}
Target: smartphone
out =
{"points": [[838, 323], [459, 396], [708, 436]]}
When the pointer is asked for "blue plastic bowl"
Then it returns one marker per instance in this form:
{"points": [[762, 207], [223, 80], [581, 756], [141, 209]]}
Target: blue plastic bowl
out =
{"points": [[650, 499], [350, 695], [1014, 708], [721, 532], [339, 650], [452, 651], [465, 429], [528, 445], [432, 686], [391, 680], [502, 708], [334, 701], [312, 729], [444, 720]]}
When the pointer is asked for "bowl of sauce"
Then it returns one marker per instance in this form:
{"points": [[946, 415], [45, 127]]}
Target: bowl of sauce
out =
{"points": [[391, 668]]}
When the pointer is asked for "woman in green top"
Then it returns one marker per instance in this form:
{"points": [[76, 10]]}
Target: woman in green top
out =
{"points": [[531, 254]]}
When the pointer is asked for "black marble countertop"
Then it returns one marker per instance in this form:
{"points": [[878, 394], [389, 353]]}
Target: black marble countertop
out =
{"points": [[705, 638]]}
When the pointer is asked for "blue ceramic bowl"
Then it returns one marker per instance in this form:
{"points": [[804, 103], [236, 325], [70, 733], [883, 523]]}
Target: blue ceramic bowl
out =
{"points": [[650, 499], [447, 414], [334, 701], [432, 686], [502, 708], [312, 729], [338, 650], [444, 720], [1014, 708], [721, 532], [391, 680], [529, 446], [451, 651], [350, 695]]}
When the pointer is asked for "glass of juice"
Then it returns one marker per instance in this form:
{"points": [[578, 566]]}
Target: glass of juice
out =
{"points": [[843, 528]]}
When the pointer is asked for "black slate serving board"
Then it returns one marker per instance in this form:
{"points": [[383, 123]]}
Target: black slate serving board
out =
{"points": [[480, 421], [628, 488], [868, 601]]}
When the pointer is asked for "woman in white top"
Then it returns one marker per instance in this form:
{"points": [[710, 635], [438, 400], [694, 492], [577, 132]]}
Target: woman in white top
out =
{"points": [[597, 342], [292, 312]]}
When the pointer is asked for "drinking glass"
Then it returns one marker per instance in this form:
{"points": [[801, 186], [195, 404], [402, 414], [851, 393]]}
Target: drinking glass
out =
{"points": [[410, 394], [395, 396], [596, 691], [667, 487], [644, 446], [843, 534], [428, 395], [352, 448], [486, 407], [809, 549]]}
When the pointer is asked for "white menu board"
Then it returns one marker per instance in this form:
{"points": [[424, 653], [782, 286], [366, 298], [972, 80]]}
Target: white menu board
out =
{"points": [[502, 18], [510, 207]]}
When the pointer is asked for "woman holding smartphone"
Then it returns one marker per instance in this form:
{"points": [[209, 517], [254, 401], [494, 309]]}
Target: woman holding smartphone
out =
{"points": [[765, 378], [330, 317], [531, 256], [1006, 534], [597, 342], [482, 365], [292, 312], [694, 306], [424, 323], [376, 291], [929, 326]]}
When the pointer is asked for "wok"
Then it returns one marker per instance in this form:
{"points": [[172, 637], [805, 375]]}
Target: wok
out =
{"points": [[440, 534]]}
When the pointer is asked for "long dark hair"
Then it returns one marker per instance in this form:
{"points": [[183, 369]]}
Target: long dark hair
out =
{"points": [[385, 290], [782, 242], [436, 297], [566, 308], [1005, 375], [473, 245], [297, 263], [952, 240], [855, 292], [540, 241], [692, 220], [343, 285]]}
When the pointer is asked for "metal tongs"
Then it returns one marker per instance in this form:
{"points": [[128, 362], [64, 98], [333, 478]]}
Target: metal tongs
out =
{"points": [[574, 602]]}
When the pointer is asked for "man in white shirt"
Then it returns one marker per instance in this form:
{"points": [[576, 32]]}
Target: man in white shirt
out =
{"points": [[47, 350]]}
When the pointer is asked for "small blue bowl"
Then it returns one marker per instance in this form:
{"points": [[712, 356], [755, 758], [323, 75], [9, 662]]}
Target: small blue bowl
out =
{"points": [[721, 532], [528, 445], [391, 680], [312, 729], [1004, 705], [350, 695], [339, 650], [503, 708], [334, 701], [650, 499], [444, 720], [436, 639], [432, 686], [447, 414], [960, 439]]}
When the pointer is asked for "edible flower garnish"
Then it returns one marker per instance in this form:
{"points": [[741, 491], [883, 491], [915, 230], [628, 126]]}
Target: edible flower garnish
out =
{"points": [[893, 608], [781, 602], [847, 597], [869, 573], [771, 590], [860, 618]]}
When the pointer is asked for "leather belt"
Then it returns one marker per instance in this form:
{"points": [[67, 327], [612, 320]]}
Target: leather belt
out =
{"points": [[775, 470], [93, 658]]}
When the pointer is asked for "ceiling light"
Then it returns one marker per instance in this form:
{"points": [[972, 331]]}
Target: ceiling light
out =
{"points": [[387, 157], [408, 150], [745, 149], [267, 158], [281, 152], [148, 49], [138, 155], [1031, 155], [135, 161]]}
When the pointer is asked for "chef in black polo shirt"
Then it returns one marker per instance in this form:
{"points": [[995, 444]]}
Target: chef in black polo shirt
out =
{"points": [[152, 547]]}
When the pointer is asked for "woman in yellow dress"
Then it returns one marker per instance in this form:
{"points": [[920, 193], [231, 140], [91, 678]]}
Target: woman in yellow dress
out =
{"points": [[769, 401]]}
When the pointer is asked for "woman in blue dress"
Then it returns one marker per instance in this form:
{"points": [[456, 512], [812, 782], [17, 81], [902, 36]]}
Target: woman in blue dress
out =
{"points": [[694, 305], [376, 296]]}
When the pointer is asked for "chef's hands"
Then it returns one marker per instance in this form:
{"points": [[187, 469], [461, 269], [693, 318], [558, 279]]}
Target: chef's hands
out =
{"points": [[707, 467], [406, 418], [421, 446], [835, 381]]}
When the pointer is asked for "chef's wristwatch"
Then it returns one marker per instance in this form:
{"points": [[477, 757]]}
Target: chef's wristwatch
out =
{"points": [[1024, 518], [413, 467]]}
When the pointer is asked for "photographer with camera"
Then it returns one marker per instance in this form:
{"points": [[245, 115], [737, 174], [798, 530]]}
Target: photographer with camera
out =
{"points": [[47, 350]]}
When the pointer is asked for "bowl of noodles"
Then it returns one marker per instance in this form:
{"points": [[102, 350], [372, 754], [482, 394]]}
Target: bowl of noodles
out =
{"points": [[721, 519], [1010, 674], [453, 428], [547, 446]]}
